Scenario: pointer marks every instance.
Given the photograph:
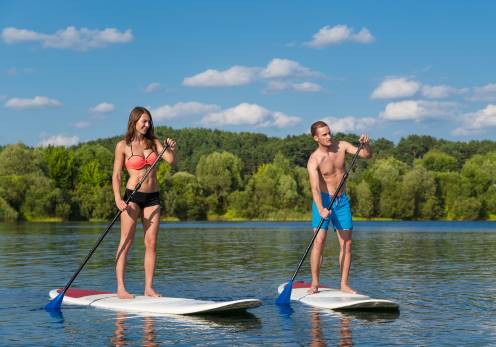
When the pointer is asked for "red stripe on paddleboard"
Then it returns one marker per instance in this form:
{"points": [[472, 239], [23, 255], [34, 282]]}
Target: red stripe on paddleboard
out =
{"points": [[79, 293], [297, 285]]}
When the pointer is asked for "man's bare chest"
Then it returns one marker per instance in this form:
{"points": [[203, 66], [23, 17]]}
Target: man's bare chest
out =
{"points": [[331, 163]]}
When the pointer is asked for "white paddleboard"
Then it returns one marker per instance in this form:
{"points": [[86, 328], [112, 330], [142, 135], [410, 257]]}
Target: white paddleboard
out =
{"points": [[335, 299], [146, 304]]}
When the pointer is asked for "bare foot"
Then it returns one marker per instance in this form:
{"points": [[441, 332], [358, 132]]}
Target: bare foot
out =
{"points": [[347, 289], [123, 294], [313, 290], [151, 292]]}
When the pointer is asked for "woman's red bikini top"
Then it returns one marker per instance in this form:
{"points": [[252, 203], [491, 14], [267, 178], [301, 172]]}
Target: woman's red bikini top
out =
{"points": [[137, 162]]}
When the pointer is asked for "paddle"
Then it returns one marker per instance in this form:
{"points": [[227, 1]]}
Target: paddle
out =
{"points": [[55, 303], [285, 296]]}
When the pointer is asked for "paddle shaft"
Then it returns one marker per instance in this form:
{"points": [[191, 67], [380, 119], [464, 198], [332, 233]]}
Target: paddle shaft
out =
{"points": [[340, 186], [102, 236]]}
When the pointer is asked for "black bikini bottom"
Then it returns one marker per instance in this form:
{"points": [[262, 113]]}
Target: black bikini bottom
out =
{"points": [[143, 199]]}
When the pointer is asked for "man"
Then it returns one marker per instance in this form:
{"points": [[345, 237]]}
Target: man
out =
{"points": [[326, 167]]}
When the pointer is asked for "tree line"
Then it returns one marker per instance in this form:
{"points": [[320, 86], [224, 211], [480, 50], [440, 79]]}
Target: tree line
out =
{"points": [[226, 175]]}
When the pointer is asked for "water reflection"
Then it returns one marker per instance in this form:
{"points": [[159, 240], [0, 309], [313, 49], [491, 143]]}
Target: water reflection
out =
{"points": [[317, 336], [119, 339], [240, 321], [316, 333]]}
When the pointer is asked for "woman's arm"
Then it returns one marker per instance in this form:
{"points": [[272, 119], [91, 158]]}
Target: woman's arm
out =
{"points": [[119, 158], [169, 155]]}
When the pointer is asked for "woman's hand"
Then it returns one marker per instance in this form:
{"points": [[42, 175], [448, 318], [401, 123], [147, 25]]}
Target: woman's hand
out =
{"points": [[121, 205], [171, 143]]}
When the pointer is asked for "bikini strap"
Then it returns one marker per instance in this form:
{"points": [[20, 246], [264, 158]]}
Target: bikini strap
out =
{"points": [[131, 145]]}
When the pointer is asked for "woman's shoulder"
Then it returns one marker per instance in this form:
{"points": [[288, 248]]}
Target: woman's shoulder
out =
{"points": [[157, 143], [121, 145]]}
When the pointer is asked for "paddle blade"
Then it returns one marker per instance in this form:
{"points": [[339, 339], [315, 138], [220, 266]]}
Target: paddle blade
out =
{"points": [[55, 303], [285, 297]]}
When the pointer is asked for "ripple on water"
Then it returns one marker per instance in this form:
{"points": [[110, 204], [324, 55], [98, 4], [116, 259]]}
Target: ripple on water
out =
{"points": [[441, 274]]}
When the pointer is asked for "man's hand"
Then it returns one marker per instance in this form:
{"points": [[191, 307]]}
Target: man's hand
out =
{"points": [[364, 139], [324, 212]]}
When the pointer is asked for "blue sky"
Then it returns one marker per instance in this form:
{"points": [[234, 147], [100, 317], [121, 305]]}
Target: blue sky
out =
{"points": [[71, 71]]}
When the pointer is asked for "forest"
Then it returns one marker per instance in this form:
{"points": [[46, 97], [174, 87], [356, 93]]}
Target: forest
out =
{"points": [[222, 175]]}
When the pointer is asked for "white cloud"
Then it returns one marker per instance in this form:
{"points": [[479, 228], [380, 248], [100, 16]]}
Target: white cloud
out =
{"points": [[396, 88], [484, 93], [244, 113], [249, 114], [440, 91], [307, 87], [477, 122], [282, 120], [152, 87], [416, 110], [350, 124], [183, 109], [234, 76], [338, 34], [59, 140], [36, 102], [284, 68], [83, 39], [82, 124], [242, 75], [103, 107]]}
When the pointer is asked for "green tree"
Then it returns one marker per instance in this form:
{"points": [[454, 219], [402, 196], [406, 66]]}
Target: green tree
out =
{"points": [[94, 202], [219, 174], [414, 147], [386, 176], [60, 166], [271, 191], [435, 160], [364, 205], [480, 170], [466, 208], [7, 213], [453, 187], [418, 195], [95, 153], [183, 197], [92, 173], [41, 199], [18, 159]]}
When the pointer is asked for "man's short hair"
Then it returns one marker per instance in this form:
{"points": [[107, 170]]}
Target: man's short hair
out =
{"points": [[316, 125]]}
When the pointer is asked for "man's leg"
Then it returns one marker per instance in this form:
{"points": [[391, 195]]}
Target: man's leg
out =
{"points": [[316, 259], [344, 237]]}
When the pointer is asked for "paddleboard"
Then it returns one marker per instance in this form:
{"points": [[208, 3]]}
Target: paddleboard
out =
{"points": [[146, 304], [335, 299]]}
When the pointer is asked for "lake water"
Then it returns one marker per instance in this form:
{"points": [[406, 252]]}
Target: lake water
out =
{"points": [[443, 275]]}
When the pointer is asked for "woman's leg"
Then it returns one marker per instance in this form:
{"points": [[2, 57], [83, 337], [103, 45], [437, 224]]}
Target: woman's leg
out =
{"points": [[151, 223], [128, 229]]}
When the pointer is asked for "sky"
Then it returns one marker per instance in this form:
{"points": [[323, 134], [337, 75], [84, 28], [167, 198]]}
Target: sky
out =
{"points": [[71, 71]]}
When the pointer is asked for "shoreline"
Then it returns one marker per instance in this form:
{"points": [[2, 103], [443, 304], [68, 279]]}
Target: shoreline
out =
{"points": [[491, 218]]}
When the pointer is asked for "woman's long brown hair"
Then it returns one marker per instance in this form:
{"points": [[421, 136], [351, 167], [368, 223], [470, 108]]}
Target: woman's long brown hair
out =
{"points": [[134, 116]]}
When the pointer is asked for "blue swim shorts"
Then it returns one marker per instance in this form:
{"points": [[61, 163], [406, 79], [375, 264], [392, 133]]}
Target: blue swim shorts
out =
{"points": [[340, 213]]}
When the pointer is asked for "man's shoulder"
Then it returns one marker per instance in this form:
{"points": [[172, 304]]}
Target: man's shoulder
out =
{"points": [[314, 155], [315, 158]]}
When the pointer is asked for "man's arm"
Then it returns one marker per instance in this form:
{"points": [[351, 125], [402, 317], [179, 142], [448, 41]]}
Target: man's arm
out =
{"points": [[366, 151], [313, 175]]}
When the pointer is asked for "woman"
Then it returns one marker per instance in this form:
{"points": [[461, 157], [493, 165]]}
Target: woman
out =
{"points": [[137, 152]]}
